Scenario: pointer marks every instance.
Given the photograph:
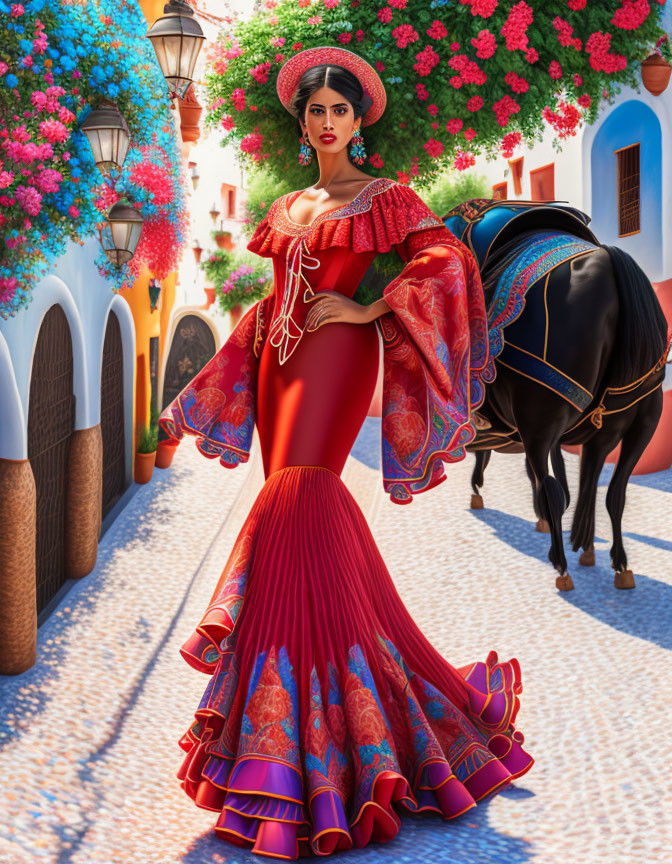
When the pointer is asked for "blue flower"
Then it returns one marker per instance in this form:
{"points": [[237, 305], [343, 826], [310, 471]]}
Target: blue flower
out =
{"points": [[11, 80]]}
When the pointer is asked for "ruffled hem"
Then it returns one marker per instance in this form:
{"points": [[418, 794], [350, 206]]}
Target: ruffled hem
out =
{"points": [[363, 225], [284, 810]]}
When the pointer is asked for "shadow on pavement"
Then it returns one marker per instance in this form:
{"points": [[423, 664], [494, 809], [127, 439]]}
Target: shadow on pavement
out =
{"points": [[645, 612]]}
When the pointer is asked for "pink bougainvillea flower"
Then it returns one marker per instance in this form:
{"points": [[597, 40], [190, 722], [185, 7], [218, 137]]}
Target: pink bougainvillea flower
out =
{"points": [[260, 72], [331, 4], [464, 160], [49, 180], [252, 143], [54, 131], [565, 120], [315, 19], [29, 199], [509, 143]]}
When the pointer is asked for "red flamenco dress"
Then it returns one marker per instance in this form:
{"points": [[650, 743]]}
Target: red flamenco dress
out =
{"points": [[326, 708]]}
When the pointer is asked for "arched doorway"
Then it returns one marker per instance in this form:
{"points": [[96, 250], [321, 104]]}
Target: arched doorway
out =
{"points": [[112, 415], [192, 346], [630, 129], [51, 422]]}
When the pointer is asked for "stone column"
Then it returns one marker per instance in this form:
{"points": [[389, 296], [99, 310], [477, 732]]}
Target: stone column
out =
{"points": [[84, 499], [18, 603]]}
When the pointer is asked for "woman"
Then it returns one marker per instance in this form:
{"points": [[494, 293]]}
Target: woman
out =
{"points": [[326, 705]]}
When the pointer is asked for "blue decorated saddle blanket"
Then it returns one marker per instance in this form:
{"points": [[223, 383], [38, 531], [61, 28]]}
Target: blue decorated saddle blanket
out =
{"points": [[531, 259]]}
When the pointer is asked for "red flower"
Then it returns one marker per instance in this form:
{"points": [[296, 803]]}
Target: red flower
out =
{"points": [[376, 160], [531, 55], [464, 160], [453, 126], [427, 60], [565, 121], [437, 30], [597, 46], [504, 109], [456, 82], [470, 72], [509, 143], [404, 35], [578, 81], [475, 103], [515, 27], [516, 82], [469, 134], [577, 5], [485, 44], [385, 15], [380, 66], [433, 110], [584, 100], [434, 148], [483, 8], [555, 70], [631, 15], [344, 37]]}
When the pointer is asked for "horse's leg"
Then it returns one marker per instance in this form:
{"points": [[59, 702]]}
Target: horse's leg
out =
{"points": [[542, 525], [593, 454], [558, 465], [482, 459], [633, 445], [551, 501]]}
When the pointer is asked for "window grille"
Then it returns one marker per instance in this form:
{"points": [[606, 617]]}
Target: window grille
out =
{"points": [[628, 190]]}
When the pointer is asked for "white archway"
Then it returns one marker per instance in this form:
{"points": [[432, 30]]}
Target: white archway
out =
{"points": [[13, 427]]}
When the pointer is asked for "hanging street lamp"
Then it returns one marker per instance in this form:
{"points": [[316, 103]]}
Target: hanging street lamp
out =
{"points": [[195, 177], [177, 39], [121, 232], [108, 135]]}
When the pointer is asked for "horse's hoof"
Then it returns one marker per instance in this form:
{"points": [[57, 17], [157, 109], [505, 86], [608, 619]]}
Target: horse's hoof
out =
{"points": [[543, 527], [476, 502], [564, 582], [587, 558], [624, 579]]}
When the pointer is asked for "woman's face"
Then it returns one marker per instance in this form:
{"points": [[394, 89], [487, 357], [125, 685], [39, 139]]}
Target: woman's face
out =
{"points": [[329, 120]]}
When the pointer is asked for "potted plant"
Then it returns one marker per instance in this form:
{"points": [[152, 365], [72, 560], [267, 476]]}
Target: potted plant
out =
{"points": [[223, 239], [165, 450], [245, 284], [145, 450], [656, 69]]}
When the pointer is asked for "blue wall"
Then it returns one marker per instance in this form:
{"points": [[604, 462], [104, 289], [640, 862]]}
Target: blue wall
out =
{"points": [[630, 123]]}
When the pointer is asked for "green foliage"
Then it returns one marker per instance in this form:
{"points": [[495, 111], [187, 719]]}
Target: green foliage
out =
{"points": [[452, 189], [217, 266], [262, 190], [148, 436], [404, 142]]}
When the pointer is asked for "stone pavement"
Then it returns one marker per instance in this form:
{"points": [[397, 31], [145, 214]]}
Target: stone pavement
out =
{"points": [[88, 736]]}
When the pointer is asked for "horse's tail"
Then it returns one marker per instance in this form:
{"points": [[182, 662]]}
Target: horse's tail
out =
{"points": [[641, 332]]}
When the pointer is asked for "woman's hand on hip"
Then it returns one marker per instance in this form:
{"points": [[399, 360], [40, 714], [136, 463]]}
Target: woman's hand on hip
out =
{"points": [[330, 307]]}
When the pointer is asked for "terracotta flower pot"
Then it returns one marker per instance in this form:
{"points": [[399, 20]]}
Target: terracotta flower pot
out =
{"points": [[144, 466], [190, 116], [235, 314], [223, 240], [209, 297], [164, 454], [197, 253], [656, 73]]}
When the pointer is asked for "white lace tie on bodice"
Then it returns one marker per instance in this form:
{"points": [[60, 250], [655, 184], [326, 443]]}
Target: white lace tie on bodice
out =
{"points": [[285, 334]]}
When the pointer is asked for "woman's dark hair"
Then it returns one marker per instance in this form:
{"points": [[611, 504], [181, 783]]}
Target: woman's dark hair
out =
{"points": [[335, 77]]}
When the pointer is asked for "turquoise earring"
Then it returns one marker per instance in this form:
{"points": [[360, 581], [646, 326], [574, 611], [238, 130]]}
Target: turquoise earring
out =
{"points": [[305, 153], [357, 151]]}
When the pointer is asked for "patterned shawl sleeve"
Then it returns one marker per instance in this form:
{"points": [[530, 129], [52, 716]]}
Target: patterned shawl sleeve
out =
{"points": [[436, 356]]}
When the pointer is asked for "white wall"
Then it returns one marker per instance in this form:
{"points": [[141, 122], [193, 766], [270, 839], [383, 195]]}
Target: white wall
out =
{"points": [[86, 299]]}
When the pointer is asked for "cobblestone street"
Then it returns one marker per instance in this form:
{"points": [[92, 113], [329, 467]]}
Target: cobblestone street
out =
{"points": [[88, 736]]}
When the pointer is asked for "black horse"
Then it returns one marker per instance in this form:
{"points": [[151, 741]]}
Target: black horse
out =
{"points": [[604, 329]]}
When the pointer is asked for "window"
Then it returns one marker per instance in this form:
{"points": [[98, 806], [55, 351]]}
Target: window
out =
{"points": [[228, 193], [542, 183], [516, 166], [628, 190], [499, 191]]}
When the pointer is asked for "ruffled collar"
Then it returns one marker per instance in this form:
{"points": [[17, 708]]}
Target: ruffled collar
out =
{"points": [[380, 216]]}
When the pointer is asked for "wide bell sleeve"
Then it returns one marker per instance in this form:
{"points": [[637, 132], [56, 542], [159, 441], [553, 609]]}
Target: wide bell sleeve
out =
{"points": [[436, 356], [218, 405]]}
